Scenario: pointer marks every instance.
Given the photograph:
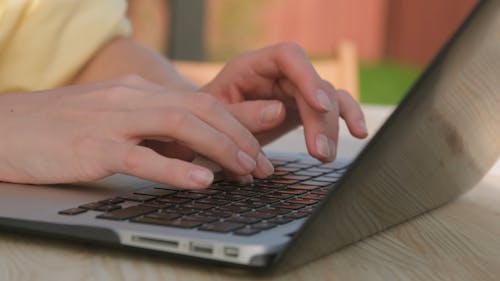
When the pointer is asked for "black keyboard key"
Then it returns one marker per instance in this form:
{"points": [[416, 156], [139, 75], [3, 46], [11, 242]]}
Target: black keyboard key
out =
{"points": [[244, 192], [299, 165], [259, 215], [73, 211], [296, 215], [307, 173], [310, 161], [108, 208], [303, 186], [137, 197], [229, 197], [296, 177], [222, 226], [207, 191], [200, 218], [172, 223], [320, 192], [285, 205], [284, 181], [280, 220], [292, 191], [214, 201], [321, 170], [302, 201], [312, 196], [157, 204], [216, 213], [247, 231], [268, 185], [250, 204], [280, 173], [163, 216], [244, 220], [326, 179], [287, 169], [181, 210], [91, 206], [190, 195], [234, 208], [277, 162], [315, 183], [279, 195], [127, 213], [264, 199], [157, 192], [334, 175], [198, 206], [173, 200], [112, 201], [276, 211], [263, 225]]}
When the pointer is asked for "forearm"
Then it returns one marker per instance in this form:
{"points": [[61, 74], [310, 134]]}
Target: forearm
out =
{"points": [[123, 56]]}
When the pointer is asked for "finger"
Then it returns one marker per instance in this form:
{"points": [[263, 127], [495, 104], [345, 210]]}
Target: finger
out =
{"points": [[351, 112], [144, 163], [291, 62], [190, 131], [137, 82], [240, 179], [170, 149], [258, 116], [208, 109], [320, 129]]}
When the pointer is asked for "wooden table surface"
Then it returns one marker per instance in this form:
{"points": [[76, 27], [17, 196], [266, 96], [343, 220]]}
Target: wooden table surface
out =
{"points": [[460, 241]]}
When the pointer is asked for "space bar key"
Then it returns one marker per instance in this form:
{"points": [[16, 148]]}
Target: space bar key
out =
{"points": [[127, 213]]}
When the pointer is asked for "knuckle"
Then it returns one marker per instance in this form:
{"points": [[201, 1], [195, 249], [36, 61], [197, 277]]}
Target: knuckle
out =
{"points": [[133, 158], [251, 145], [131, 79], [116, 93], [206, 103], [176, 118], [224, 145], [290, 48]]}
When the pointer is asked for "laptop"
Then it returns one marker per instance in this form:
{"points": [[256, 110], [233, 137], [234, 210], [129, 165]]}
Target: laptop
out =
{"points": [[437, 144]]}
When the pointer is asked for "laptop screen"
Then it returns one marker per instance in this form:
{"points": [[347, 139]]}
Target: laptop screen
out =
{"points": [[438, 143]]}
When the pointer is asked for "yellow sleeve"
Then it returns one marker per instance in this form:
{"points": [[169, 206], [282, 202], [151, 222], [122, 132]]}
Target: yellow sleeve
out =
{"points": [[43, 43]]}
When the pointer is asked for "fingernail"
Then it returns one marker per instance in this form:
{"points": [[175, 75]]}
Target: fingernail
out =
{"points": [[265, 165], [362, 126], [246, 161], [245, 179], [201, 176], [333, 147], [324, 100], [322, 146], [270, 112]]}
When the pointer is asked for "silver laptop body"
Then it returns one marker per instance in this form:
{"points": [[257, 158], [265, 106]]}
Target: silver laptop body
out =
{"points": [[439, 142]]}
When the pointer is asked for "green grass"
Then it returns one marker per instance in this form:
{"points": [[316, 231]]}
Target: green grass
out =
{"points": [[386, 83]]}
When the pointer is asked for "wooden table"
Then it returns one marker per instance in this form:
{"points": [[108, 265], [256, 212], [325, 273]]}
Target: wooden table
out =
{"points": [[460, 241]]}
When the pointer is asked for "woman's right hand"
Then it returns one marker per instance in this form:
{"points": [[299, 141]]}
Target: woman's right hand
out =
{"points": [[87, 132]]}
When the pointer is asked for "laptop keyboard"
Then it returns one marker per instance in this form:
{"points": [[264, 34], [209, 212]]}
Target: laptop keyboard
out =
{"points": [[291, 193]]}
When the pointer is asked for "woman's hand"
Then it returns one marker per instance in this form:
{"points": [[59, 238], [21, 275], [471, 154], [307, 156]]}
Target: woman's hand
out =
{"points": [[275, 89], [90, 131]]}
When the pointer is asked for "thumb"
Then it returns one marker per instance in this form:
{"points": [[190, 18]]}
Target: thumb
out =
{"points": [[259, 115]]}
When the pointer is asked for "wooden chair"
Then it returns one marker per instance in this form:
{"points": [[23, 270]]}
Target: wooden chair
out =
{"points": [[342, 70]]}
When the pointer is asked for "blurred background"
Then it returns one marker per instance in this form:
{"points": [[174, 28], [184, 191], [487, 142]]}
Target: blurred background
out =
{"points": [[393, 40]]}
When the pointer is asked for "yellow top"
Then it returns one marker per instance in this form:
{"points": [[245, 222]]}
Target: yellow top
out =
{"points": [[43, 43]]}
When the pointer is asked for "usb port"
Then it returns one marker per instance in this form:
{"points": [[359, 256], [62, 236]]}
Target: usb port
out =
{"points": [[201, 248], [232, 252]]}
